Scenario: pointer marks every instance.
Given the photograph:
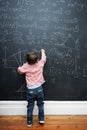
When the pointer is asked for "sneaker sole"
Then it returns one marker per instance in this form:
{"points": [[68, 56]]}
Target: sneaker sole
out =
{"points": [[29, 125], [41, 122]]}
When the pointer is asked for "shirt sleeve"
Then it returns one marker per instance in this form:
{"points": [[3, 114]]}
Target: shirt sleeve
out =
{"points": [[43, 58], [22, 69]]}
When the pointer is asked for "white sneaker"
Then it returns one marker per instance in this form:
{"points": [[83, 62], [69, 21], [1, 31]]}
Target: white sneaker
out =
{"points": [[29, 124]]}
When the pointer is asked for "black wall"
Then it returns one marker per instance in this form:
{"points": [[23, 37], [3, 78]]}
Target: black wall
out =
{"points": [[58, 26]]}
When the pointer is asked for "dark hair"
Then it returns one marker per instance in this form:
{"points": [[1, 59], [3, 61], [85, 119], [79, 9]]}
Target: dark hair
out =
{"points": [[32, 57]]}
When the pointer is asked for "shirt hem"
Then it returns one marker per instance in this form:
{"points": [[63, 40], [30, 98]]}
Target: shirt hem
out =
{"points": [[35, 86]]}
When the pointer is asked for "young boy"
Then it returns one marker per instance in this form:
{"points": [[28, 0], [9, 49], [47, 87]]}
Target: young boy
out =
{"points": [[33, 70]]}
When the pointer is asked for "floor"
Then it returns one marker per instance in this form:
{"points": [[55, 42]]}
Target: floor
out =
{"points": [[51, 123]]}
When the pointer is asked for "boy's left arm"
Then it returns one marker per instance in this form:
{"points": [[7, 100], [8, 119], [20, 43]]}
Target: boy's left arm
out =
{"points": [[21, 69]]}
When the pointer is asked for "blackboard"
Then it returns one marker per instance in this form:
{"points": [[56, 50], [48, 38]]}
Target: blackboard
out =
{"points": [[58, 26]]}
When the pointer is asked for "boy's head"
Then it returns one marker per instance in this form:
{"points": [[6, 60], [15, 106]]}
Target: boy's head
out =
{"points": [[32, 57]]}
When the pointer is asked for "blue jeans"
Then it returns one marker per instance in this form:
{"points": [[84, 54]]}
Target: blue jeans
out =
{"points": [[32, 96]]}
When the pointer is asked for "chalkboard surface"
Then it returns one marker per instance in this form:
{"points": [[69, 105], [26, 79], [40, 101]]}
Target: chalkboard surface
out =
{"points": [[58, 26]]}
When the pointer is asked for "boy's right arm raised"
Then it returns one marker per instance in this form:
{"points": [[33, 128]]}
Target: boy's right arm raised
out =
{"points": [[43, 56]]}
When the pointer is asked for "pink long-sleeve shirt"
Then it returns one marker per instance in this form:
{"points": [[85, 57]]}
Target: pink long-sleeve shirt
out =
{"points": [[33, 73]]}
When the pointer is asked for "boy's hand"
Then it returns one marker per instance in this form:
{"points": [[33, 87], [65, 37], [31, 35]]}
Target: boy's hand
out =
{"points": [[42, 50]]}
